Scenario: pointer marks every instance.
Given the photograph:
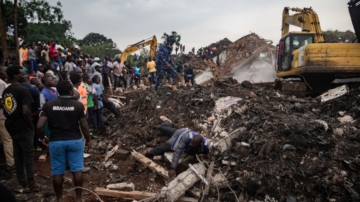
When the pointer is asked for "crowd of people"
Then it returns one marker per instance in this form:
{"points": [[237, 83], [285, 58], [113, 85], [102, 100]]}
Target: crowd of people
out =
{"points": [[52, 101], [206, 53]]}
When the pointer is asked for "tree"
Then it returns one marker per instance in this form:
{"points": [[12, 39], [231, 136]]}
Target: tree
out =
{"points": [[334, 35], [98, 45], [175, 35], [47, 22]]}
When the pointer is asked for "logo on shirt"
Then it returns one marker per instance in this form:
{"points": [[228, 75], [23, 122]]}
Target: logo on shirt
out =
{"points": [[60, 108], [9, 103]]}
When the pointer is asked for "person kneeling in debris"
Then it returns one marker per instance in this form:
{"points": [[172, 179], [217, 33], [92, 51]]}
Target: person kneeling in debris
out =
{"points": [[181, 141]]}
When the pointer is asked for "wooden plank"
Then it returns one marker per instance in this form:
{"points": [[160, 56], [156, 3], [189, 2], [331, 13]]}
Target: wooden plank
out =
{"points": [[208, 177], [131, 195], [138, 195], [112, 152], [150, 164]]}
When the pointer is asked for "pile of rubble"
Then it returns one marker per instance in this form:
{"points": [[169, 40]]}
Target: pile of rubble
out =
{"points": [[265, 145]]}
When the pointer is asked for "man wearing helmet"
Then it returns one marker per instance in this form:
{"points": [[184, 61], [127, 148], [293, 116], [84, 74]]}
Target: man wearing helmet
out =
{"points": [[164, 63]]}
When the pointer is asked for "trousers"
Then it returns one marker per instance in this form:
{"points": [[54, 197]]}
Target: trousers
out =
{"points": [[8, 144], [98, 118], [166, 129], [160, 74], [23, 144], [33, 65], [105, 80], [117, 80], [153, 77]]}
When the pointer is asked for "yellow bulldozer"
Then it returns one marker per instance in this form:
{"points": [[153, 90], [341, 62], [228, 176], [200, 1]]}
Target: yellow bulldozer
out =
{"points": [[305, 56]]}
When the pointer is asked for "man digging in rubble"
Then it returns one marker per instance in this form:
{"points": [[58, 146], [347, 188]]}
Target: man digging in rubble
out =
{"points": [[181, 141], [164, 63]]}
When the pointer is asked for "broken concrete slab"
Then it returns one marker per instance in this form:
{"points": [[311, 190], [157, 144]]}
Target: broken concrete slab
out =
{"points": [[204, 77], [225, 143], [181, 183]]}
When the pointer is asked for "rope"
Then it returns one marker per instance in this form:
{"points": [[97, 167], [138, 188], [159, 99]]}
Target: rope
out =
{"points": [[97, 196]]}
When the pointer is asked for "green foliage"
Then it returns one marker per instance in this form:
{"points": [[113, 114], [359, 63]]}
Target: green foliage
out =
{"points": [[98, 45], [46, 22], [334, 35], [100, 50], [93, 39], [47, 32], [9, 16]]}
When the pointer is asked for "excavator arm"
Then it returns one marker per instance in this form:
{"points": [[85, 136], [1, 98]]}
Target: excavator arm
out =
{"points": [[306, 19], [139, 45]]}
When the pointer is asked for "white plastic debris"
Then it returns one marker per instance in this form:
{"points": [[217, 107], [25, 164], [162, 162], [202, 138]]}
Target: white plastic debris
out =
{"points": [[334, 93]]}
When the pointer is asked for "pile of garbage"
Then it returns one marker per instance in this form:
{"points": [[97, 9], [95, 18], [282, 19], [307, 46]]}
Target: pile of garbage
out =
{"points": [[265, 145]]}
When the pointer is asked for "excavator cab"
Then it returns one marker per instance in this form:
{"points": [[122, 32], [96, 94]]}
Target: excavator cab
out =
{"points": [[288, 44], [354, 10]]}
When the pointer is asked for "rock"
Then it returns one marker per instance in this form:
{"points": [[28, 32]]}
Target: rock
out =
{"points": [[211, 118], [341, 113], [102, 145], [135, 87], [107, 164], [121, 154], [288, 147], [242, 144], [338, 131], [122, 186], [345, 119], [224, 162], [114, 168], [247, 84], [224, 134], [291, 199], [326, 126]]}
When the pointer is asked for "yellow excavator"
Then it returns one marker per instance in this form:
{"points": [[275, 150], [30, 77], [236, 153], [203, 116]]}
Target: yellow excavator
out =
{"points": [[152, 42], [305, 55]]}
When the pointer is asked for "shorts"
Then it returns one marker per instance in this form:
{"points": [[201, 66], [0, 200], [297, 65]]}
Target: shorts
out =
{"points": [[71, 150]]}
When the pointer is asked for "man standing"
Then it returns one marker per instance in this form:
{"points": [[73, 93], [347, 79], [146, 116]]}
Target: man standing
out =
{"points": [[164, 63], [16, 100], [97, 72], [181, 141], [32, 58], [4, 135], [67, 68], [46, 52], [106, 71], [118, 67], [64, 115], [89, 70], [151, 65], [24, 54]]}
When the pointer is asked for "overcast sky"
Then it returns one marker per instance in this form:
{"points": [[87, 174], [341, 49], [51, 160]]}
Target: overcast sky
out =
{"points": [[199, 22]]}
